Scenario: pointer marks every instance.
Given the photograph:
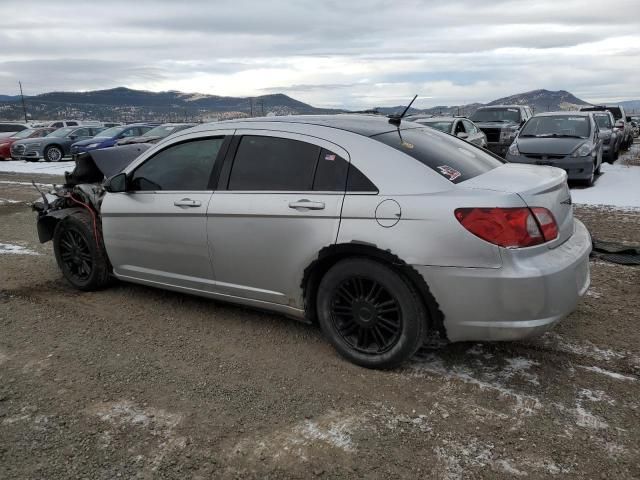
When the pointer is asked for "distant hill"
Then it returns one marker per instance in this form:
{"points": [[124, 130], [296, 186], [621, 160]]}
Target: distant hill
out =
{"points": [[630, 106], [541, 101], [126, 104]]}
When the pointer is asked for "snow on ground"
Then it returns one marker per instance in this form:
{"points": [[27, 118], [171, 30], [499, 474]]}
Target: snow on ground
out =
{"points": [[618, 186], [10, 249], [20, 166]]}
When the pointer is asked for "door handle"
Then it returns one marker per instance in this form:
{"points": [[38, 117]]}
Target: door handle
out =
{"points": [[187, 202], [307, 204]]}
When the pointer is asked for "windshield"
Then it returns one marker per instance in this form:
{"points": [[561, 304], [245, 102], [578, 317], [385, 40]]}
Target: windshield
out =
{"points": [[62, 132], [454, 159], [24, 133], [496, 115], [603, 121], [557, 126], [110, 132], [162, 131], [443, 126]]}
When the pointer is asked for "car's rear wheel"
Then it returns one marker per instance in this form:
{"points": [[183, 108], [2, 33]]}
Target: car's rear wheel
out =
{"points": [[53, 154], [370, 313], [81, 258]]}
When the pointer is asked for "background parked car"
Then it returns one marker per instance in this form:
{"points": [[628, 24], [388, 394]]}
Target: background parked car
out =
{"points": [[611, 139], [109, 137], [500, 123], [567, 140], [460, 127], [9, 128], [5, 143], [621, 126], [157, 133], [54, 147]]}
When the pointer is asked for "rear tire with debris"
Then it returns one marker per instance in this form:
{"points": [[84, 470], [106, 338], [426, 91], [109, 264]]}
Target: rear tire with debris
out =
{"points": [[82, 259]]}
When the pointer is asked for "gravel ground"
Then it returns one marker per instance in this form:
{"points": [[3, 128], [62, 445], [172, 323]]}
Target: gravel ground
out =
{"points": [[133, 382]]}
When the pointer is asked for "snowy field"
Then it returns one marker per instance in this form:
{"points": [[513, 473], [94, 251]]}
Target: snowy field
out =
{"points": [[617, 186]]}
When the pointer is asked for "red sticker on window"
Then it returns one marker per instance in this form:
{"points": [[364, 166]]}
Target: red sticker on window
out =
{"points": [[449, 172]]}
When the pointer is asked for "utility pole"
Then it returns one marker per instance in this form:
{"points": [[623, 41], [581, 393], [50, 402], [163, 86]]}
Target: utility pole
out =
{"points": [[24, 108], [251, 106]]}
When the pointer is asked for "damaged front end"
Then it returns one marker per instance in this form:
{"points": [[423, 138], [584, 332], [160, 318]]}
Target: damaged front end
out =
{"points": [[83, 188]]}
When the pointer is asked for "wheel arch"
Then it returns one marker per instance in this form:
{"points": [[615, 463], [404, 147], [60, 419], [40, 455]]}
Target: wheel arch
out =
{"points": [[330, 255]]}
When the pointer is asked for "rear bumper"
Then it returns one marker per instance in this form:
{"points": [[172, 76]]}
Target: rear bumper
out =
{"points": [[578, 168], [534, 289]]}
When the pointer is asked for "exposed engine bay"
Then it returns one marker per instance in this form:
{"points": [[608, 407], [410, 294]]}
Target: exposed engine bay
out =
{"points": [[83, 188]]}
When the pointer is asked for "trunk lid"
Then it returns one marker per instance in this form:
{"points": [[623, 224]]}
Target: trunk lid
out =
{"points": [[538, 186]]}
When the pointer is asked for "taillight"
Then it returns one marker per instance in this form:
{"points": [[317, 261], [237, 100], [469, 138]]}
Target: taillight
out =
{"points": [[510, 227]]}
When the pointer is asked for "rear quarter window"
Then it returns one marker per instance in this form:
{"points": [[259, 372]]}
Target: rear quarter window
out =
{"points": [[450, 157]]}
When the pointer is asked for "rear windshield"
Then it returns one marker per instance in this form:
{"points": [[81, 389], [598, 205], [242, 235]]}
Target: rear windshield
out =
{"points": [[498, 115], [11, 127], [454, 159], [443, 126], [557, 126]]}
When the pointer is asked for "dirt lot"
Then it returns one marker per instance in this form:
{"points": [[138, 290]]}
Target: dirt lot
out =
{"points": [[133, 382]]}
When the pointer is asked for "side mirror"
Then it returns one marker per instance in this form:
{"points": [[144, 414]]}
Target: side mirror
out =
{"points": [[628, 119], [73, 137], [462, 135], [116, 184]]}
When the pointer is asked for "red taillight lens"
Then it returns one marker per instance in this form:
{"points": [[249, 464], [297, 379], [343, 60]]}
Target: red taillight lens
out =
{"points": [[509, 227]]}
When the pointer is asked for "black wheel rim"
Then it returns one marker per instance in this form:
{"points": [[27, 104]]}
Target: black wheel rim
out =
{"points": [[366, 315], [75, 255]]}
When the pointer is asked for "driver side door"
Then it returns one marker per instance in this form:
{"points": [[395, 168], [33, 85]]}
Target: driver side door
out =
{"points": [[155, 232]]}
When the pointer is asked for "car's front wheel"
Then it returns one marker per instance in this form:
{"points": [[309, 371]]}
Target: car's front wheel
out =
{"points": [[53, 154], [80, 256], [370, 313]]}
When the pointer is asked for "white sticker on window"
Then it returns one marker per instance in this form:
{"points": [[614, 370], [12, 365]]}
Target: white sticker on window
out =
{"points": [[449, 172], [512, 109], [578, 119]]}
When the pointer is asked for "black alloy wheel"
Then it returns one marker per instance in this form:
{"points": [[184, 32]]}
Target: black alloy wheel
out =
{"points": [[76, 255], [366, 315]]}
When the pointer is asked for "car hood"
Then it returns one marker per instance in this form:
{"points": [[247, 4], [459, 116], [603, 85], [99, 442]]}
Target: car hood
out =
{"points": [[89, 141], [550, 145]]}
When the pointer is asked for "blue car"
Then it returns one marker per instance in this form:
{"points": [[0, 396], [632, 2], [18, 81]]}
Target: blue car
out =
{"points": [[109, 137]]}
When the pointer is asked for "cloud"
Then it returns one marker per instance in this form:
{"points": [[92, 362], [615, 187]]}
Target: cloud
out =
{"points": [[355, 54]]}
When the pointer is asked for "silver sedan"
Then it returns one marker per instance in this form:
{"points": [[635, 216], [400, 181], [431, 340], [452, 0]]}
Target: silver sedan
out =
{"points": [[388, 236], [460, 127]]}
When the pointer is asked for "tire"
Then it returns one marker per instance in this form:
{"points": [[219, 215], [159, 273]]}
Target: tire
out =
{"points": [[352, 298], [83, 263], [589, 181], [53, 153]]}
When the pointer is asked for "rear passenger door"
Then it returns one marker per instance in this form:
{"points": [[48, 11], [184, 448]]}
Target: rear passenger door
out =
{"points": [[277, 205]]}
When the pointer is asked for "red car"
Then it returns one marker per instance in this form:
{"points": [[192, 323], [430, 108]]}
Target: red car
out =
{"points": [[5, 143]]}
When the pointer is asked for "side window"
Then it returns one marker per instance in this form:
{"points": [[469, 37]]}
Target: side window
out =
{"points": [[272, 163], [358, 182], [184, 166], [459, 128], [57, 125], [81, 132], [72, 124], [331, 172]]}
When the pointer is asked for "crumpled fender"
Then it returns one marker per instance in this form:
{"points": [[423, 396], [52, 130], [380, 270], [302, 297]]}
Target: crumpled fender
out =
{"points": [[47, 223]]}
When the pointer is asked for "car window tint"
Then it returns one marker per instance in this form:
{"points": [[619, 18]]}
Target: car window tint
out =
{"points": [[454, 159], [72, 124], [81, 132], [273, 163], [185, 166], [8, 127], [358, 182], [331, 172]]}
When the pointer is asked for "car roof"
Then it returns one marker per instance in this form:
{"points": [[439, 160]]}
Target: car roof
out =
{"points": [[362, 124], [486, 107], [565, 112], [441, 119]]}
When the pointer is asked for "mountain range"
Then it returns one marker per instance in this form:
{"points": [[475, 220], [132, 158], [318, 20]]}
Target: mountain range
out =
{"points": [[125, 104]]}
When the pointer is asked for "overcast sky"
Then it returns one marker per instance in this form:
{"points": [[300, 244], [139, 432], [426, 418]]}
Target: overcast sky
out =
{"points": [[349, 53]]}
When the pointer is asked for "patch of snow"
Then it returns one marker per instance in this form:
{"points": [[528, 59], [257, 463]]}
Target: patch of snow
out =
{"points": [[584, 418], [50, 168], [13, 182], [585, 350], [506, 467], [593, 293], [336, 434], [608, 373], [617, 187], [8, 200], [488, 377], [9, 249]]}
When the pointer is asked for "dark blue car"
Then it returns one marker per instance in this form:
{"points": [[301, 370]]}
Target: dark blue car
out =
{"points": [[109, 137]]}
